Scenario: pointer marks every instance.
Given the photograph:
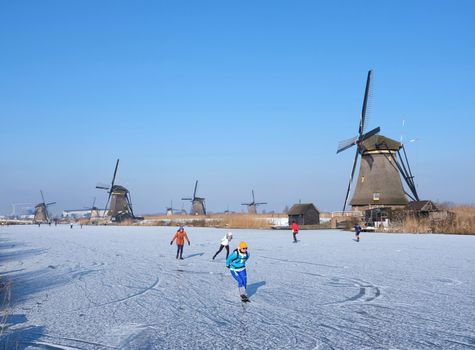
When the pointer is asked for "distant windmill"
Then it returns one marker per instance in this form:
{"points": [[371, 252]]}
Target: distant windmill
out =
{"points": [[121, 203], [41, 211], [197, 203], [170, 210], [252, 207], [379, 182], [94, 210]]}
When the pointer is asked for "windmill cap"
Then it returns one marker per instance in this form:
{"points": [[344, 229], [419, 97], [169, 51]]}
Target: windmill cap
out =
{"points": [[230, 234], [242, 245]]}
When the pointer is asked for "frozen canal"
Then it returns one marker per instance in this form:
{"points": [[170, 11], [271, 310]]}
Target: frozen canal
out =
{"points": [[122, 288]]}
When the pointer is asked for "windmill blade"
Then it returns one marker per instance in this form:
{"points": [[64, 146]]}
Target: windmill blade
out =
{"points": [[370, 133], [187, 199], [115, 173], [51, 203], [246, 203], [260, 203], [128, 196], [253, 200], [351, 178], [345, 144], [93, 203], [42, 197], [103, 187], [107, 203], [196, 187], [365, 103]]}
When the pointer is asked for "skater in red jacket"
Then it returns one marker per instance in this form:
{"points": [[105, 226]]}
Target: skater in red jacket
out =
{"points": [[295, 230]]}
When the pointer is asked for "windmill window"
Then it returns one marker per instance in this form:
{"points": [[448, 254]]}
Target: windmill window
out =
{"points": [[376, 196], [362, 179]]}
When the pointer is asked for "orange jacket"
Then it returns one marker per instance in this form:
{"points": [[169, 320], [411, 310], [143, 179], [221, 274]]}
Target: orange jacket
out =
{"points": [[180, 237]]}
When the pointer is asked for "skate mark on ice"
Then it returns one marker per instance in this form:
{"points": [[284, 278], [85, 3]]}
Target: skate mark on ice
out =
{"points": [[126, 298], [302, 262], [202, 272], [365, 288], [448, 281]]}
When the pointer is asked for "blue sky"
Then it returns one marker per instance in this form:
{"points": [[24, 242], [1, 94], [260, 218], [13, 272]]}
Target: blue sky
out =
{"points": [[240, 95]]}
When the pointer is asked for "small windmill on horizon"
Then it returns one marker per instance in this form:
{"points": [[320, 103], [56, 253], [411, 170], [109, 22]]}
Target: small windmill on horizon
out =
{"points": [[41, 211], [252, 206], [172, 211], [121, 203], [197, 203]]}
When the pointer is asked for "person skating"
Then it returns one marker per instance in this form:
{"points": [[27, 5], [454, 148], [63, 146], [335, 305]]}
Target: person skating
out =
{"points": [[180, 237], [357, 232], [236, 262], [224, 244], [295, 230]]}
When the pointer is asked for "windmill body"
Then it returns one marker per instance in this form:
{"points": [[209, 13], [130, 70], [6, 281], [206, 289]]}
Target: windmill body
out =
{"points": [[120, 204], [379, 182], [198, 207], [41, 211], [197, 203], [119, 197], [41, 214]]}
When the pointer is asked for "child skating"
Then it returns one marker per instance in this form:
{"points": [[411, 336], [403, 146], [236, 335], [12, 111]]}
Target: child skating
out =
{"points": [[236, 262]]}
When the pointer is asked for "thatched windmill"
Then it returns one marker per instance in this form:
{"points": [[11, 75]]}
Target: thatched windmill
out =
{"points": [[121, 203], [252, 207], [197, 203], [41, 211], [379, 179]]}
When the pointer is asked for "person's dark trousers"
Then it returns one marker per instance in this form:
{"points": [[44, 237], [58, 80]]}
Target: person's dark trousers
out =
{"points": [[220, 249], [295, 236], [179, 251]]}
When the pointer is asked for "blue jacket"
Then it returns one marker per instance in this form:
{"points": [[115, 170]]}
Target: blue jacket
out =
{"points": [[237, 261]]}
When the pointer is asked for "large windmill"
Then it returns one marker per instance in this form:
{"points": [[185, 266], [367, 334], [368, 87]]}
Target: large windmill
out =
{"points": [[379, 179], [121, 203], [197, 203], [41, 211], [252, 207]]}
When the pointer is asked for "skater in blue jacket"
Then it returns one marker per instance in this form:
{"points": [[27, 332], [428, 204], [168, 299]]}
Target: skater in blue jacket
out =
{"points": [[357, 232], [236, 262]]}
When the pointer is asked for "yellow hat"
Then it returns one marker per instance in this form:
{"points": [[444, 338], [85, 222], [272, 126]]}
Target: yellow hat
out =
{"points": [[242, 245]]}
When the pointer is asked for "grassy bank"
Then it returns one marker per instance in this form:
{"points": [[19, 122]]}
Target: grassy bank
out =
{"points": [[258, 221], [463, 222]]}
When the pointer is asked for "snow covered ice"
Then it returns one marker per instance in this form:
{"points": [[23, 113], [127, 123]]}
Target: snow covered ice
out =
{"points": [[122, 288]]}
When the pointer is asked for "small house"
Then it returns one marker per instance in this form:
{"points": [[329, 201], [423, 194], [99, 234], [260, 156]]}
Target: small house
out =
{"points": [[421, 206], [304, 214]]}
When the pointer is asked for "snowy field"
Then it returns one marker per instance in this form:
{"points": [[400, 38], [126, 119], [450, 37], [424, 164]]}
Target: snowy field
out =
{"points": [[122, 288]]}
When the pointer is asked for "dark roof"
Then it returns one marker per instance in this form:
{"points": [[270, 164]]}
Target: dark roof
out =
{"points": [[421, 206], [117, 189], [298, 209], [380, 142]]}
